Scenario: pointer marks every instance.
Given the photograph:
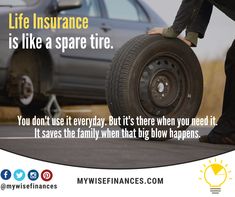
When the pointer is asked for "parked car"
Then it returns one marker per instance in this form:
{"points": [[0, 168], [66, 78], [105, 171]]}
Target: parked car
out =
{"points": [[28, 77]]}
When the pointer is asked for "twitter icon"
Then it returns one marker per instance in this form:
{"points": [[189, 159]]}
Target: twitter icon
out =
{"points": [[19, 175]]}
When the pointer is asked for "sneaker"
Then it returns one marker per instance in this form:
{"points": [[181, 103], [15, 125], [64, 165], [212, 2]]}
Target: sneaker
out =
{"points": [[218, 139]]}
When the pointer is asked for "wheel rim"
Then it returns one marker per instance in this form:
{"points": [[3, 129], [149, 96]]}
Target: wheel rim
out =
{"points": [[162, 87]]}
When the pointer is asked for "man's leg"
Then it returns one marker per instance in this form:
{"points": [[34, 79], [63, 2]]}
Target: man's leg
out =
{"points": [[224, 133], [229, 93]]}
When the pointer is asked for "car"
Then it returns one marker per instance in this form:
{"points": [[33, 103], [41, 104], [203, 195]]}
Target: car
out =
{"points": [[29, 76]]}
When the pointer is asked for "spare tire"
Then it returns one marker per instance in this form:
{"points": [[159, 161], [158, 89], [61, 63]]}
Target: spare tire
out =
{"points": [[153, 77]]}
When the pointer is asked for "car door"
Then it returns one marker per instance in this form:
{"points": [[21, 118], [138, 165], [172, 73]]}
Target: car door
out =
{"points": [[127, 19], [82, 72]]}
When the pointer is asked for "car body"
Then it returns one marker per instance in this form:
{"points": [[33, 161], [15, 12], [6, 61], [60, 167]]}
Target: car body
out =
{"points": [[76, 76]]}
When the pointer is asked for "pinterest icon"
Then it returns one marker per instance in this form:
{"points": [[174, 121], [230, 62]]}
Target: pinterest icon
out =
{"points": [[46, 175]]}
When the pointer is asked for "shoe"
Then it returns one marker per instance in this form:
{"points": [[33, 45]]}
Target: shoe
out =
{"points": [[204, 139], [218, 139]]}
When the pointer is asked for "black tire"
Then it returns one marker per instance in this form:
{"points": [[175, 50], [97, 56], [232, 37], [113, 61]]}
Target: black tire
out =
{"points": [[32, 110], [28, 63], [152, 76]]}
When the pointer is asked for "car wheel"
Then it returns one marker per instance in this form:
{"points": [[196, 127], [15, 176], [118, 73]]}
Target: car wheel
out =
{"points": [[152, 77], [24, 83]]}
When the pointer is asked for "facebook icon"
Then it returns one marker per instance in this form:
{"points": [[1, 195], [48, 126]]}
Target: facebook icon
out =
{"points": [[6, 174]]}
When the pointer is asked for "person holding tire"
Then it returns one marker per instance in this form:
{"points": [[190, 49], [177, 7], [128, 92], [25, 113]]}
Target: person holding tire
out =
{"points": [[194, 16]]}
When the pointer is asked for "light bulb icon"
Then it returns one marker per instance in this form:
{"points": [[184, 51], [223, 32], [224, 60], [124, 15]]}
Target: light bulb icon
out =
{"points": [[215, 175]]}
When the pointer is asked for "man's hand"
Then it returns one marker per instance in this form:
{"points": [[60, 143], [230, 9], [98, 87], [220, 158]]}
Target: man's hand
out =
{"points": [[155, 30], [186, 41], [158, 30]]}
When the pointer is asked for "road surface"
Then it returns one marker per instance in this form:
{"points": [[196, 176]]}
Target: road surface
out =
{"points": [[106, 153]]}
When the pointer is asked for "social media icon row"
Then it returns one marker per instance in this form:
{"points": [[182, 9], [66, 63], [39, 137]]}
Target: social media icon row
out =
{"points": [[33, 175]]}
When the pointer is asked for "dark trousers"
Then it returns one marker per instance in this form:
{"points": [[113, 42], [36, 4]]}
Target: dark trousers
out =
{"points": [[229, 93], [226, 123]]}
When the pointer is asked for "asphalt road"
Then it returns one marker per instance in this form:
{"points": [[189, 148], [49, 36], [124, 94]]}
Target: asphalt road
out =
{"points": [[106, 153]]}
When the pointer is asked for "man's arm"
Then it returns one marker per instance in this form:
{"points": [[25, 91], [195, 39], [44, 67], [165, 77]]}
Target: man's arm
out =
{"points": [[194, 16], [187, 12], [201, 21]]}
